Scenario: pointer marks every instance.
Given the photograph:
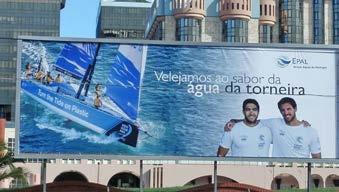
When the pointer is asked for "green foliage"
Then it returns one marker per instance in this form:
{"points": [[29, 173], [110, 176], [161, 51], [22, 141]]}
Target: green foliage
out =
{"points": [[174, 189], [167, 189], [7, 168], [330, 189]]}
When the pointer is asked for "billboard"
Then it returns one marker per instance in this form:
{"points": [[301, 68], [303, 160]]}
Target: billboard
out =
{"points": [[173, 100]]}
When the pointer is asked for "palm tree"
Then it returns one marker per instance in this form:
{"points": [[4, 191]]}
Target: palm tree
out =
{"points": [[7, 168]]}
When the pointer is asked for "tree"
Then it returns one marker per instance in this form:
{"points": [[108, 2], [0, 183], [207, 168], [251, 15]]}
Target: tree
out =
{"points": [[7, 167]]}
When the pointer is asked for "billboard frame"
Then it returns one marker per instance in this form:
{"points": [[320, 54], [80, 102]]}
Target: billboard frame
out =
{"points": [[17, 154]]}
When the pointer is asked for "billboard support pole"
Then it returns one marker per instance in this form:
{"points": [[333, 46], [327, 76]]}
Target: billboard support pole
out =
{"points": [[43, 175], [141, 184], [98, 172], [308, 177], [215, 189]]}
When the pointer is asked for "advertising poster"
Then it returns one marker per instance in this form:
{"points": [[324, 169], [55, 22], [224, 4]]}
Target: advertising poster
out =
{"points": [[174, 100]]}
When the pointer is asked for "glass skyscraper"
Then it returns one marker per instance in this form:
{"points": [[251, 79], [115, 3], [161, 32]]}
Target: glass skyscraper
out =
{"points": [[18, 17], [122, 19], [318, 22], [335, 21], [291, 21]]}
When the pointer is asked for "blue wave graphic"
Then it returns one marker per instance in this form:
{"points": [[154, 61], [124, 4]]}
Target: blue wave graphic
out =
{"points": [[283, 61]]}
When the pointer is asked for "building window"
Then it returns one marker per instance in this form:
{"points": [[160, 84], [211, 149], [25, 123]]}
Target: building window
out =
{"points": [[71, 161], [126, 162], [106, 161], [335, 21], [11, 144], [188, 29], [30, 160], [265, 34], [18, 183], [99, 161], [235, 30], [51, 161], [159, 32], [291, 21], [5, 112], [318, 22]]}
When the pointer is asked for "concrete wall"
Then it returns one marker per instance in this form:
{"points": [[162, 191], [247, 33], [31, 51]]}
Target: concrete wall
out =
{"points": [[211, 29]]}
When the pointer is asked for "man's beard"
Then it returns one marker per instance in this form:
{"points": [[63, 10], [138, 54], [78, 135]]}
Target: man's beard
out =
{"points": [[249, 121], [291, 118]]}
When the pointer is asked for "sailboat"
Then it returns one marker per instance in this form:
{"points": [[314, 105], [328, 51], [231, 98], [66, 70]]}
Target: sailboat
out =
{"points": [[118, 115]]}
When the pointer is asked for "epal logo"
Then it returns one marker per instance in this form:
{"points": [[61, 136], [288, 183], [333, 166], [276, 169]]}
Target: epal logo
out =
{"points": [[300, 139], [283, 61]]}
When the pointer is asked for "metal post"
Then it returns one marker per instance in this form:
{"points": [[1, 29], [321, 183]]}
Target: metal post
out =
{"points": [[98, 173], [309, 177], [43, 175], [215, 177], [141, 188]]}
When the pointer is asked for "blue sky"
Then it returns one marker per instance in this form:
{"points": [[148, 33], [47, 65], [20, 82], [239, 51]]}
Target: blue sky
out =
{"points": [[79, 18]]}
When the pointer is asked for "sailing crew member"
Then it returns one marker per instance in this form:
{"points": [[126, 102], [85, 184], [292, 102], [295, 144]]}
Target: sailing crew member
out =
{"points": [[97, 101], [98, 90], [39, 75], [250, 138], [49, 78], [291, 137], [28, 71], [59, 79]]}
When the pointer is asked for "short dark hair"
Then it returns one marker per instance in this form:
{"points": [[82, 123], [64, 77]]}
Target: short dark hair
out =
{"points": [[97, 85], [247, 101], [27, 65], [287, 100]]}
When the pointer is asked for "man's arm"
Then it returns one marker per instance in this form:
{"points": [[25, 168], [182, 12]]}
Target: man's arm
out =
{"points": [[316, 155], [225, 144], [222, 152], [229, 125], [315, 146]]}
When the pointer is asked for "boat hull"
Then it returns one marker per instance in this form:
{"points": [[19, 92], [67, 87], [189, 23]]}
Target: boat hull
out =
{"points": [[81, 112]]}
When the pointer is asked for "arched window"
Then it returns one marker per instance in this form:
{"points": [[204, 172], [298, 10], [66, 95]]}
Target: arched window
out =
{"points": [[70, 176], [124, 180]]}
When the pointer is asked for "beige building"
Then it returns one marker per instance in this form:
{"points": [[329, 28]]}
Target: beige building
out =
{"points": [[244, 21], [169, 173]]}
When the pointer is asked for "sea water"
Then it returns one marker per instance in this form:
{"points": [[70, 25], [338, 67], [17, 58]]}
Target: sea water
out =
{"points": [[177, 122]]}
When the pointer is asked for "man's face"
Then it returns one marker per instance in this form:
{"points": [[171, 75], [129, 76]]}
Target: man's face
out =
{"points": [[251, 113], [288, 112]]}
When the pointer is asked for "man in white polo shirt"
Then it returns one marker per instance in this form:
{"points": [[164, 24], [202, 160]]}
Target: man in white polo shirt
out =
{"points": [[291, 138], [249, 138]]}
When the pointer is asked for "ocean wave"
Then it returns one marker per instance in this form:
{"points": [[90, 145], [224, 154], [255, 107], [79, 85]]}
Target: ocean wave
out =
{"points": [[73, 134], [49, 122]]}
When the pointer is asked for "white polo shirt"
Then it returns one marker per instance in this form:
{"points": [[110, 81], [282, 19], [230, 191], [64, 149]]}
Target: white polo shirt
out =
{"points": [[292, 141], [245, 141]]}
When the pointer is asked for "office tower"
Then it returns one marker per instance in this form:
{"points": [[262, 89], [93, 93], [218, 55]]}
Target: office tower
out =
{"points": [[122, 19], [17, 17]]}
